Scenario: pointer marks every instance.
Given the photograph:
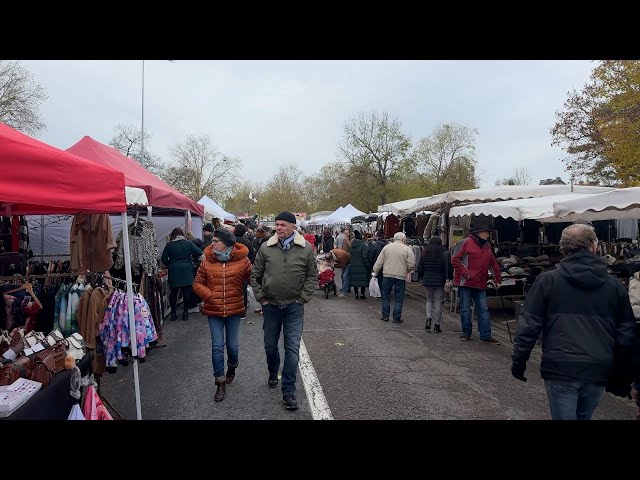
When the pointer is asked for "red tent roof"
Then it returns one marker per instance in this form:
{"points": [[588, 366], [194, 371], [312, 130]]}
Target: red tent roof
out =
{"points": [[160, 193], [39, 179]]}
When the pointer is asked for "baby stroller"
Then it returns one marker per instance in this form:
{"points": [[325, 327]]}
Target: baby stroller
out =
{"points": [[326, 275]]}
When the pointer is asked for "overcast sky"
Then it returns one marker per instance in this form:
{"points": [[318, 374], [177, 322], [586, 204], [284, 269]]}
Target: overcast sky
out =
{"points": [[271, 112]]}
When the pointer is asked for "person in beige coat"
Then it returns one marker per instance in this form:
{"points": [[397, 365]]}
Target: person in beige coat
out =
{"points": [[396, 260]]}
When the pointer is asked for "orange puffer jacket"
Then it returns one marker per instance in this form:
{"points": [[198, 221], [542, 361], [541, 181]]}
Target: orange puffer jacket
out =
{"points": [[220, 284]]}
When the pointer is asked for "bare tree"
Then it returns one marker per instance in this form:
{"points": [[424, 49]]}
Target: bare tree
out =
{"points": [[445, 160], [374, 145], [520, 176], [20, 98], [128, 141], [200, 169]]}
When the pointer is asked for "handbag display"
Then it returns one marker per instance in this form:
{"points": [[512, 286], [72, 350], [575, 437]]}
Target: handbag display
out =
{"points": [[11, 371], [76, 346], [43, 369]]}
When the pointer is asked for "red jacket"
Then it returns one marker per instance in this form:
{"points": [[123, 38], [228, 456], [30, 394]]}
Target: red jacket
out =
{"points": [[220, 284], [471, 264]]}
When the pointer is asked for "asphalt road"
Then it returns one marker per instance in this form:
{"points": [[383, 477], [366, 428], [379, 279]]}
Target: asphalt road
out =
{"points": [[368, 369]]}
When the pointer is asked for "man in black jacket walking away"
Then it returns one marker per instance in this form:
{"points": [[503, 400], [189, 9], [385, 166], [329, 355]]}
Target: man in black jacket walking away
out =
{"points": [[587, 327]]}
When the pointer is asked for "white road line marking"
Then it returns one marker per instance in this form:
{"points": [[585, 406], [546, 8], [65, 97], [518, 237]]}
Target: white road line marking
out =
{"points": [[318, 402]]}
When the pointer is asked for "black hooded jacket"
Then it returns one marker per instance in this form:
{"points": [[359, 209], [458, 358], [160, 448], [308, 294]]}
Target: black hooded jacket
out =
{"points": [[585, 318]]}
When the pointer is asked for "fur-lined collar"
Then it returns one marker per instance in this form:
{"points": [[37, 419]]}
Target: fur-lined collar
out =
{"points": [[298, 240]]}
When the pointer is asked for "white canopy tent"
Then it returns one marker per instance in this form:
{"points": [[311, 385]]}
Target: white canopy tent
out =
{"points": [[540, 208], [401, 208], [216, 210], [616, 204], [504, 192], [343, 215]]}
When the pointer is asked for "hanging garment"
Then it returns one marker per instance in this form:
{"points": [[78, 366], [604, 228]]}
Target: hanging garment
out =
{"points": [[627, 228], [143, 248], [410, 226], [421, 224], [91, 243], [71, 324], [391, 226]]}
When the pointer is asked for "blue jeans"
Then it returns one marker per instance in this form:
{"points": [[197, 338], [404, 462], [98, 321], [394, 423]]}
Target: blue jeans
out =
{"points": [[398, 285], [572, 400], [480, 300], [289, 319], [217, 325], [345, 278]]}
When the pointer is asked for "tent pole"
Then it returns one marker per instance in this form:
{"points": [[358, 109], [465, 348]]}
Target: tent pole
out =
{"points": [[132, 323], [149, 213], [42, 235], [186, 221]]}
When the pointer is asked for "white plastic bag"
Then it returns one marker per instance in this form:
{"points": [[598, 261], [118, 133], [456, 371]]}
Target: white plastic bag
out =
{"points": [[76, 413], [374, 288]]}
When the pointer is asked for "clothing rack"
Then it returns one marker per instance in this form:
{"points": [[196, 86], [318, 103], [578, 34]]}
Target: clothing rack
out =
{"points": [[23, 278]]}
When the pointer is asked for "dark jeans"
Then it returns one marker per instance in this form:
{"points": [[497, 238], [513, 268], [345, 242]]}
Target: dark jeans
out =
{"points": [[289, 320], [186, 299], [218, 325], [479, 297], [397, 285], [572, 400]]}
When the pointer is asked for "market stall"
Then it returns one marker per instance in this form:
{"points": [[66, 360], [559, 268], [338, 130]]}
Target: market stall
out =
{"points": [[28, 194]]}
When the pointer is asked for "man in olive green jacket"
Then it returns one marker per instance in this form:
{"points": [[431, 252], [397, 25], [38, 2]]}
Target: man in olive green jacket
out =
{"points": [[283, 279]]}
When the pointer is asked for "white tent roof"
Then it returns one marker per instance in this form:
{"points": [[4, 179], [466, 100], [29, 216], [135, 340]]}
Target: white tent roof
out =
{"points": [[343, 215], [622, 203], [503, 192], [135, 196], [540, 208], [400, 208], [216, 210]]}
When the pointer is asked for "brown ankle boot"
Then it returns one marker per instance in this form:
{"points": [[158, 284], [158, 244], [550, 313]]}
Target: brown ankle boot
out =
{"points": [[231, 372], [220, 382]]}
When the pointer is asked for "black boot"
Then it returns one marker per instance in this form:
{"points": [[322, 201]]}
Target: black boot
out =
{"points": [[174, 317], [427, 325], [185, 315], [357, 296], [231, 372], [222, 388], [437, 329]]}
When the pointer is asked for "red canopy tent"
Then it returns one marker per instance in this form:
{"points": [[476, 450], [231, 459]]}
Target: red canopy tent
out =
{"points": [[160, 193], [39, 179]]}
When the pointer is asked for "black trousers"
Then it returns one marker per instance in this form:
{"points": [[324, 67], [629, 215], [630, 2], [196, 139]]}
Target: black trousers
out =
{"points": [[186, 299]]}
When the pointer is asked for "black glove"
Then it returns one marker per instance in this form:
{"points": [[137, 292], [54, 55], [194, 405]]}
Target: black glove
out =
{"points": [[517, 370]]}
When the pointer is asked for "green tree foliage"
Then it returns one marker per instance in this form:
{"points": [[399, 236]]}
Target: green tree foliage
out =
{"points": [[599, 127]]}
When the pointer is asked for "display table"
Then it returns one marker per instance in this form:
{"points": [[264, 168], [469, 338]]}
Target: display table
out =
{"points": [[53, 402]]}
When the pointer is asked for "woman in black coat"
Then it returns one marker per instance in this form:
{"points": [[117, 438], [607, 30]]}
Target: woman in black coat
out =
{"points": [[359, 261], [435, 269]]}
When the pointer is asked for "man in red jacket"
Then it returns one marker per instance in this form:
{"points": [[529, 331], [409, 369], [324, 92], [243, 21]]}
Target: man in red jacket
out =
{"points": [[471, 271]]}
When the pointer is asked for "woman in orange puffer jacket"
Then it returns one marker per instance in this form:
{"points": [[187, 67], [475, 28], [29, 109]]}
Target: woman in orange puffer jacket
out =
{"points": [[219, 283]]}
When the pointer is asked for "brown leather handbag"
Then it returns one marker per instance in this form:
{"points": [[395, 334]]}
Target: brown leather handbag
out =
{"points": [[58, 353], [43, 370], [21, 367]]}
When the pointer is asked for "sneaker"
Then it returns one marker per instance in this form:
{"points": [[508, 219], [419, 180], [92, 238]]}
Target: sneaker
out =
{"points": [[437, 329], [341, 295], [398, 321], [243, 317], [257, 310], [274, 381], [194, 310], [384, 319], [464, 337], [290, 402], [492, 341]]}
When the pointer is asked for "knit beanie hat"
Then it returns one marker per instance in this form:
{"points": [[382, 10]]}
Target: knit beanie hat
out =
{"points": [[287, 217], [225, 236]]}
